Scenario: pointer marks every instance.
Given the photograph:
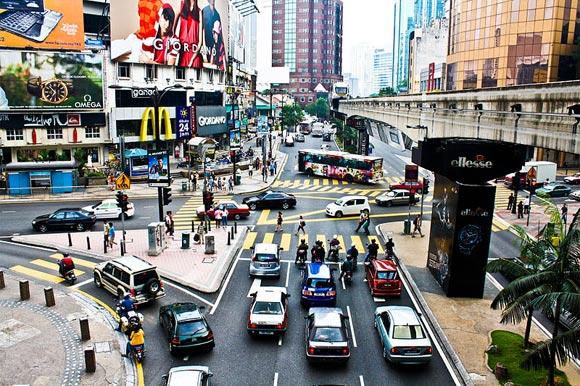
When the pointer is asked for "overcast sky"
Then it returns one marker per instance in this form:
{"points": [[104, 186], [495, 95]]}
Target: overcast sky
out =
{"points": [[367, 21]]}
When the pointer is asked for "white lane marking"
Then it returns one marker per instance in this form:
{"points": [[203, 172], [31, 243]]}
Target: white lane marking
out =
{"points": [[149, 206], [221, 294], [275, 379], [361, 380], [144, 218], [379, 300], [8, 211], [342, 281], [431, 334], [80, 284], [27, 246], [189, 293], [280, 341], [287, 275], [351, 326], [255, 287]]}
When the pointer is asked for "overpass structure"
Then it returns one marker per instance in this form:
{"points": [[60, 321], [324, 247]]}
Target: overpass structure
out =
{"points": [[545, 116]]}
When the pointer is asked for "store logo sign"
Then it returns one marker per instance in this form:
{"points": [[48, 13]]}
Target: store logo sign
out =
{"points": [[478, 163]]}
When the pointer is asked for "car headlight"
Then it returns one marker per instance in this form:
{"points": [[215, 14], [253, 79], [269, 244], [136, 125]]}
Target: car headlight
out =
{"points": [[33, 222]]}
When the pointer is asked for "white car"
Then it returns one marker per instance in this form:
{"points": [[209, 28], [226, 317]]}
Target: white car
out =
{"points": [[269, 311], [575, 195], [325, 146], [188, 375], [348, 206], [289, 140], [108, 209]]}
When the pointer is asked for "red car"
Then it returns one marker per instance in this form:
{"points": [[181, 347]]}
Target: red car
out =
{"points": [[235, 211], [575, 179], [383, 278], [417, 186]]}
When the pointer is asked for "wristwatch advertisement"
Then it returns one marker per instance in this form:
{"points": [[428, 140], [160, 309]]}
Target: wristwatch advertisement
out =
{"points": [[54, 91]]}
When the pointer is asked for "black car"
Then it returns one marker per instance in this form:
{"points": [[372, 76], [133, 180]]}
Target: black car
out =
{"points": [[327, 137], [65, 219], [186, 327], [270, 199]]}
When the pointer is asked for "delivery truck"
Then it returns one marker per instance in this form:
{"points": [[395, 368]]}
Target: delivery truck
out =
{"points": [[535, 173]]}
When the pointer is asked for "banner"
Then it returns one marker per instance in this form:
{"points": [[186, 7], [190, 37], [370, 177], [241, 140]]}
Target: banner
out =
{"points": [[235, 140], [211, 120], [185, 33], [51, 80], [182, 115], [46, 24], [158, 168]]}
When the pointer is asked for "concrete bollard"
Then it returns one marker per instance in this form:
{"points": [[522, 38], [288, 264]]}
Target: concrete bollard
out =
{"points": [[69, 240], [88, 243], [2, 283], [49, 297], [90, 360], [192, 225], [85, 330], [235, 227], [24, 290], [232, 232]]}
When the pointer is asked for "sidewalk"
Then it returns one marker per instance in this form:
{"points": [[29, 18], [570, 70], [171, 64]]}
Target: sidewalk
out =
{"points": [[466, 323], [42, 346]]}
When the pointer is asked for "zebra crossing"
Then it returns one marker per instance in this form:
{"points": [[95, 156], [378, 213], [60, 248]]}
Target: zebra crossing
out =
{"points": [[323, 184], [46, 269], [187, 212], [502, 194]]}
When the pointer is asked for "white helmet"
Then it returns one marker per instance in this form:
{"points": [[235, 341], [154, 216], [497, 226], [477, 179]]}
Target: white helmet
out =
{"points": [[335, 236]]}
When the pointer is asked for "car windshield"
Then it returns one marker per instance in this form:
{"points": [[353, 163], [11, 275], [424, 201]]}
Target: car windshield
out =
{"points": [[339, 202], [408, 332], [328, 334], [265, 257], [318, 283], [261, 195], [267, 308], [391, 194], [143, 277], [388, 275], [191, 327], [97, 204]]}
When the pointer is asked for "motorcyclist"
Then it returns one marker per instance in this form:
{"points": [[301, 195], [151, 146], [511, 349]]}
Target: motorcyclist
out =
{"points": [[66, 264], [353, 254], [125, 306], [318, 252], [136, 340], [373, 250], [334, 246], [390, 245], [302, 248], [346, 268]]}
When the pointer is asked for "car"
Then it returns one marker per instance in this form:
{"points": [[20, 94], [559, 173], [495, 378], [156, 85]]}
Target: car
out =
{"points": [[318, 286], [185, 327], [403, 337], [188, 376], [574, 179], [383, 278], [299, 137], [289, 140], [108, 209], [395, 197], [265, 260], [235, 211], [270, 199], [132, 275], [412, 186], [268, 312], [327, 335], [325, 146], [65, 219], [348, 206], [327, 136], [554, 190], [575, 195]]}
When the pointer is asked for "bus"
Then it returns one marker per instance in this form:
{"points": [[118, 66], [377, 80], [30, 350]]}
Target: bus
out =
{"points": [[304, 127], [317, 129], [341, 165]]}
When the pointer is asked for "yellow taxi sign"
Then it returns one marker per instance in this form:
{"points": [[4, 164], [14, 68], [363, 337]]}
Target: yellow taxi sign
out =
{"points": [[122, 182]]}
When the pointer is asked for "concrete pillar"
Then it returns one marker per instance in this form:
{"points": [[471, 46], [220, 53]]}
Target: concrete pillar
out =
{"points": [[2, 283], [561, 159], [24, 290], [90, 360], [539, 154], [85, 330]]}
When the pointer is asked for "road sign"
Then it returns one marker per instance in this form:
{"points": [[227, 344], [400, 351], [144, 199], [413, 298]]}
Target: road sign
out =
{"points": [[122, 182], [532, 173]]}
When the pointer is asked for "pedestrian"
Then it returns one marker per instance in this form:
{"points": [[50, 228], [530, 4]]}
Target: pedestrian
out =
{"points": [[417, 222], [275, 166], [390, 247], [111, 235], [511, 199], [527, 205], [231, 184], [565, 213], [224, 184], [361, 220], [211, 183], [521, 209], [225, 214], [279, 221], [264, 174], [219, 184], [169, 223], [217, 215], [272, 168], [366, 225], [194, 181], [250, 172], [106, 232], [301, 225]]}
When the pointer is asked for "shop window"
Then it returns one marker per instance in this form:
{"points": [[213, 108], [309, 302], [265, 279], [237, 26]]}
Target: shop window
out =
{"points": [[150, 71], [124, 70], [93, 132], [198, 74], [179, 73], [42, 155], [451, 74], [15, 134], [54, 133]]}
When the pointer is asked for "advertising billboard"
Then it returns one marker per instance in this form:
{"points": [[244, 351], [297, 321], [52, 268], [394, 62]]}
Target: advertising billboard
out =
{"points": [[184, 121], [235, 140], [46, 24], [211, 120], [185, 33], [158, 168], [51, 80]]}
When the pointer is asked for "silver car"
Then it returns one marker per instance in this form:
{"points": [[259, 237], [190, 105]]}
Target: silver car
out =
{"points": [[394, 197], [265, 260], [188, 376], [327, 335], [402, 334]]}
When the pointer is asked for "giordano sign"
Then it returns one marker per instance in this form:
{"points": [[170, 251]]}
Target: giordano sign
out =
{"points": [[163, 118]]}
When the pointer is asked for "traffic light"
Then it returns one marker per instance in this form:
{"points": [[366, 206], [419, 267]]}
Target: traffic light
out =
{"points": [[207, 200], [120, 199], [167, 196]]}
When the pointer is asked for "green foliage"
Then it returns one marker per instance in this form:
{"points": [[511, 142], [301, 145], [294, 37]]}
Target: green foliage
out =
{"points": [[95, 173], [292, 115], [320, 108], [387, 91]]}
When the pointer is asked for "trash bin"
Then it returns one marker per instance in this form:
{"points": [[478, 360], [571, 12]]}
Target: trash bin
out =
{"points": [[184, 186], [185, 240], [407, 227], [238, 180]]}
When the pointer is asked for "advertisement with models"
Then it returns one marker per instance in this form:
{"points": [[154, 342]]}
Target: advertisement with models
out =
{"points": [[51, 80], [185, 33], [46, 24]]}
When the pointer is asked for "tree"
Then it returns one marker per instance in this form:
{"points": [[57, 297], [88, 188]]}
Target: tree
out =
{"points": [[387, 91], [320, 108], [292, 115]]}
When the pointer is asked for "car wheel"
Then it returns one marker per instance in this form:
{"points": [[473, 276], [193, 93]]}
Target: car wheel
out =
{"points": [[152, 287], [349, 178], [253, 206], [80, 227], [43, 228], [97, 280], [237, 217], [285, 205], [389, 203], [338, 214]]}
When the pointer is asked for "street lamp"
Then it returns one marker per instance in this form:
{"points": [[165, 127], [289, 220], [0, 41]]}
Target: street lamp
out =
{"points": [[420, 127]]}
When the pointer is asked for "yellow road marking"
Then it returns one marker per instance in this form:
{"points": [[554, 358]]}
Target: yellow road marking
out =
{"points": [[321, 238], [306, 183], [263, 217], [342, 244], [296, 184], [276, 184], [344, 182], [303, 236], [285, 241], [303, 214], [357, 241], [378, 241], [325, 189], [37, 274], [334, 182], [325, 181], [335, 190], [140, 375], [81, 262], [316, 182], [315, 187], [351, 218], [494, 228], [268, 238], [52, 266], [250, 239]]}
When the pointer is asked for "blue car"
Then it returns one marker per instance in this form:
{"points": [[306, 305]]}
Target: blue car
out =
{"points": [[318, 286]]}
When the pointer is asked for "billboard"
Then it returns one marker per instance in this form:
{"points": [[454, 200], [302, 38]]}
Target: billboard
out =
{"points": [[185, 33], [210, 120], [158, 168], [46, 24], [51, 80], [184, 121]]}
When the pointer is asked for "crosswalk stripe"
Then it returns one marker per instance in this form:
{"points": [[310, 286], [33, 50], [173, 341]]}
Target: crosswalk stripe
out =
{"points": [[347, 190], [325, 189], [315, 187], [249, 240], [325, 181], [306, 183], [342, 244], [52, 266], [316, 182], [334, 182], [428, 199], [276, 184], [344, 182], [263, 217], [37, 274], [268, 238], [357, 241], [285, 241], [297, 184], [381, 250], [321, 238], [494, 228], [335, 190], [81, 262], [374, 194]]}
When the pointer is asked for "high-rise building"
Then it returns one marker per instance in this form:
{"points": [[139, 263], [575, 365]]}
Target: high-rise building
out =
{"points": [[382, 68], [307, 38], [426, 11], [358, 65], [504, 43], [403, 24]]}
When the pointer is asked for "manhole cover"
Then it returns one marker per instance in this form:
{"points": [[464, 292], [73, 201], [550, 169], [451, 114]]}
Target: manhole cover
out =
{"points": [[102, 347], [208, 260]]}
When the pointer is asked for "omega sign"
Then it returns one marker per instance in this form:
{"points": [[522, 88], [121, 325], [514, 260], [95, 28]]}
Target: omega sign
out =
{"points": [[205, 121], [478, 163]]}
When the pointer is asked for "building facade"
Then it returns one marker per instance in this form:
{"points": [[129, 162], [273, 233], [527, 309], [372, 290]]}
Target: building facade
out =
{"points": [[427, 56], [307, 38], [382, 69], [498, 43], [403, 25]]}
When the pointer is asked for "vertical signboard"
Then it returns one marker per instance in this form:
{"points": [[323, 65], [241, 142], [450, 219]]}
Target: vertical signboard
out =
{"points": [[411, 173], [182, 115], [158, 168]]}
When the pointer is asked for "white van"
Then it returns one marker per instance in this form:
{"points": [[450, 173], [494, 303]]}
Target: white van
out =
{"points": [[348, 206]]}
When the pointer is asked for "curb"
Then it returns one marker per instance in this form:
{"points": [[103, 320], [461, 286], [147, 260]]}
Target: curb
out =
{"points": [[449, 352]]}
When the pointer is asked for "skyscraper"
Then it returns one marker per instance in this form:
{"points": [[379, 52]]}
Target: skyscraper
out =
{"points": [[307, 38], [403, 24], [382, 68]]}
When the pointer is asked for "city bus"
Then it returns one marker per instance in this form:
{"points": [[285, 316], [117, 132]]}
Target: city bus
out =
{"points": [[341, 165], [305, 127]]}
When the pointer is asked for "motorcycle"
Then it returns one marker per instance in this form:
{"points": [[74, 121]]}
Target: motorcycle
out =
{"points": [[302, 255], [348, 277], [138, 353], [333, 253], [354, 261], [130, 322], [70, 276]]}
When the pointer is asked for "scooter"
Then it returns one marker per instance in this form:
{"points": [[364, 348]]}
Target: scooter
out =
{"points": [[302, 255], [70, 277], [138, 353], [333, 253], [130, 322]]}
